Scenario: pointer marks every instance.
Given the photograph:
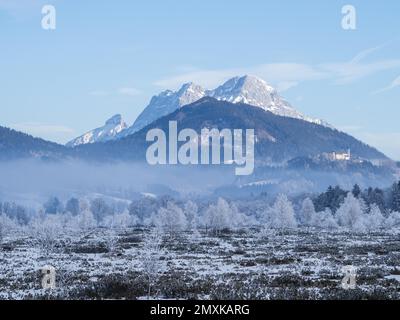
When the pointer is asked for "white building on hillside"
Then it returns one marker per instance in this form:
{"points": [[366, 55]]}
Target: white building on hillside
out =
{"points": [[339, 156]]}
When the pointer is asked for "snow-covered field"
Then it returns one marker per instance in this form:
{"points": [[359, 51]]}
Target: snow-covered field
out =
{"points": [[248, 264]]}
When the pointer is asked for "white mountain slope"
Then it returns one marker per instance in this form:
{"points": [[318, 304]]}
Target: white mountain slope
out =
{"points": [[165, 103], [247, 89], [256, 92], [109, 131]]}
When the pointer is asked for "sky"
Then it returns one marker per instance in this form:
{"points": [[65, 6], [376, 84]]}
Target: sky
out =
{"points": [[108, 57]]}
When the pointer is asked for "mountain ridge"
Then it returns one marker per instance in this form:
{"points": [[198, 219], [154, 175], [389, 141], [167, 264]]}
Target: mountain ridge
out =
{"points": [[16, 145], [246, 89], [278, 138], [108, 131]]}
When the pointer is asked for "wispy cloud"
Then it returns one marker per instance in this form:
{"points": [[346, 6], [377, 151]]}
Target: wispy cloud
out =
{"points": [[129, 91], [37, 128], [394, 84], [346, 73], [125, 91], [365, 53], [283, 75], [286, 75]]}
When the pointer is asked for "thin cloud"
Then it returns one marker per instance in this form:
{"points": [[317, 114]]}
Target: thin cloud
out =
{"points": [[365, 53], [394, 84], [288, 75], [37, 128], [282, 75], [346, 73], [126, 91], [129, 91]]}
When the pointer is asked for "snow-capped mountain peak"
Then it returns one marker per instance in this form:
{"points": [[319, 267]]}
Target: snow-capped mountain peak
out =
{"points": [[113, 126], [165, 103], [257, 92], [243, 87], [189, 93], [115, 120], [247, 89]]}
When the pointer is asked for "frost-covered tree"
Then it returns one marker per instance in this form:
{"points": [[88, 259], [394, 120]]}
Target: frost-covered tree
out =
{"points": [[307, 212], [238, 219], [100, 209], [17, 213], [66, 220], [2, 229], [46, 229], [191, 212], [72, 206], [84, 205], [121, 220], [86, 221], [393, 221], [6, 226], [324, 220], [374, 220], [150, 258], [53, 206], [218, 216], [144, 208], [171, 219], [350, 214], [281, 214]]}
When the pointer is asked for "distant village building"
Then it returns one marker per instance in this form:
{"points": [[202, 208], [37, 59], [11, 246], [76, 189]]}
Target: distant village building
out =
{"points": [[339, 156]]}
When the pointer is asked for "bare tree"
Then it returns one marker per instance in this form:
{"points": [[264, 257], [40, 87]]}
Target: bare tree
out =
{"points": [[46, 230], [151, 263], [171, 219], [2, 229]]}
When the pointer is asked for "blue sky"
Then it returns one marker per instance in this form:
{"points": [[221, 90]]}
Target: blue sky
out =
{"points": [[108, 57]]}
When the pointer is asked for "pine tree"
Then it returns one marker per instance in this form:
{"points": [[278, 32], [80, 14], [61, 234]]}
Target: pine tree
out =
{"points": [[395, 197], [356, 191]]}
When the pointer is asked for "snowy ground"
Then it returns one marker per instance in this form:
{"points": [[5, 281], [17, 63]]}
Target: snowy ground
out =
{"points": [[106, 264]]}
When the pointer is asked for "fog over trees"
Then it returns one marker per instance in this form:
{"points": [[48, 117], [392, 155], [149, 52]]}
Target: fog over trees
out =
{"points": [[336, 209]]}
